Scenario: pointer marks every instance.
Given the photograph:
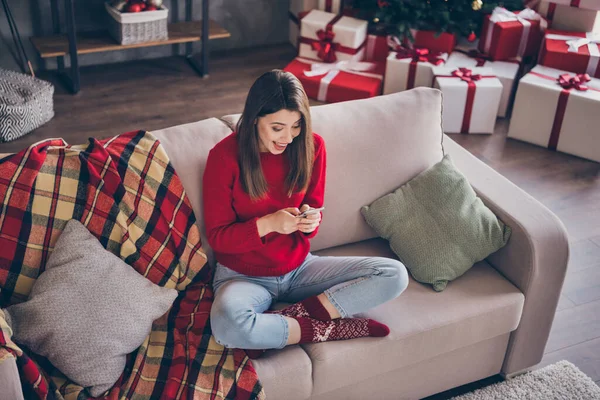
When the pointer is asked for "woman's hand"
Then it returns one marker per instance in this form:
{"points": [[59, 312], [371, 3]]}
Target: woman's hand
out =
{"points": [[282, 221], [310, 222]]}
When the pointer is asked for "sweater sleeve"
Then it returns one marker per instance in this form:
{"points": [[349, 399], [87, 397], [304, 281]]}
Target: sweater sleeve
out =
{"points": [[316, 189], [224, 232]]}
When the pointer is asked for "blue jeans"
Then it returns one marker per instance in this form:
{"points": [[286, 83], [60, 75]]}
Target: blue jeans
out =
{"points": [[352, 284]]}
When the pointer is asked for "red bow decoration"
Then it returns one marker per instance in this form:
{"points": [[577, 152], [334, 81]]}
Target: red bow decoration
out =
{"points": [[466, 75], [325, 47], [574, 82], [419, 55]]}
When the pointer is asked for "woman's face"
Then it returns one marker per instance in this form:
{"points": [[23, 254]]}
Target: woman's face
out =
{"points": [[276, 131]]}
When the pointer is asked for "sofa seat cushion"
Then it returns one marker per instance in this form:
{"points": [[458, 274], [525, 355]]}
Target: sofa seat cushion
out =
{"points": [[479, 305], [285, 374]]}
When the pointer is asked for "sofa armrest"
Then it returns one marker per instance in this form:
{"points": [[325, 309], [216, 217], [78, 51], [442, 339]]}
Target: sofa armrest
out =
{"points": [[534, 259]]}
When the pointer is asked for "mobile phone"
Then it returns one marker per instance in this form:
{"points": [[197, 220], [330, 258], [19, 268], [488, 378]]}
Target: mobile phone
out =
{"points": [[310, 211]]}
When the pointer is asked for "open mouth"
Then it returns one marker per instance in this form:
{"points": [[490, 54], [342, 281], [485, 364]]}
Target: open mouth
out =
{"points": [[280, 146]]}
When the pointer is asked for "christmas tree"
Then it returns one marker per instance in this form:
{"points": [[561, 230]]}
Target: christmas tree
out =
{"points": [[398, 17]]}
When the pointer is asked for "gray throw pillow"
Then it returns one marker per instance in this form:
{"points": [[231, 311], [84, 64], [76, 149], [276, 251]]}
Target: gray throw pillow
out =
{"points": [[437, 225], [88, 310]]}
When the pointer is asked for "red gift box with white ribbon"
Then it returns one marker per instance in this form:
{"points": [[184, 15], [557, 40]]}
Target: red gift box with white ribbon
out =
{"points": [[558, 110], [340, 81], [434, 41], [471, 98], [377, 48], [572, 15], [328, 37], [506, 35], [577, 52], [409, 68]]}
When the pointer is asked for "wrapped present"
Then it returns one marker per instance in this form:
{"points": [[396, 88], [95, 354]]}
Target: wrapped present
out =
{"points": [[577, 52], [434, 41], [410, 68], [506, 71], [340, 81], [558, 110], [572, 15], [377, 48], [297, 10], [507, 35], [329, 37], [332, 6], [471, 98]]}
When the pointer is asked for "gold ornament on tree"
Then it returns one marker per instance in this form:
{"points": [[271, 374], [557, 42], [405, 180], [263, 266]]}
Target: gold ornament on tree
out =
{"points": [[477, 5]]}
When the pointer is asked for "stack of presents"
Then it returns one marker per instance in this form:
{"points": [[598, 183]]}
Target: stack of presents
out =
{"points": [[540, 68]]}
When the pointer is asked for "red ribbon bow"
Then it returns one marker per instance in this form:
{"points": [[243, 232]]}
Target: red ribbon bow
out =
{"points": [[419, 55], [325, 47], [466, 75], [480, 57], [574, 82]]}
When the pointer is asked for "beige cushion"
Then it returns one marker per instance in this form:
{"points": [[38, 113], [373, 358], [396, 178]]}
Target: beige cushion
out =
{"points": [[479, 305], [285, 374], [187, 147], [88, 310], [373, 146]]}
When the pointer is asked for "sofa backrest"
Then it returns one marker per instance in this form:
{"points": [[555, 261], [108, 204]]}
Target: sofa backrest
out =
{"points": [[373, 147]]}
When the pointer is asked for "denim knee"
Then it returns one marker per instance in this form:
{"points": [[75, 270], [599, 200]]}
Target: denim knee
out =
{"points": [[396, 277], [230, 323]]}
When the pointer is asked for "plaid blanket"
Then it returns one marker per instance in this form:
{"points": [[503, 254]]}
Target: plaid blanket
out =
{"points": [[125, 191]]}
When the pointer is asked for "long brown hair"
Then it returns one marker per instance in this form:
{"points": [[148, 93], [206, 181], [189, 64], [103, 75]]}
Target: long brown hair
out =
{"points": [[274, 91]]}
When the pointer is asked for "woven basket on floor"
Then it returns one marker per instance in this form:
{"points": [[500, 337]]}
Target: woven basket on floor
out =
{"points": [[25, 104], [140, 27]]}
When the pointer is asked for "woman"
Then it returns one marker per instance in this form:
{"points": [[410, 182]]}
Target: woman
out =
{"points": [[256, 183]]}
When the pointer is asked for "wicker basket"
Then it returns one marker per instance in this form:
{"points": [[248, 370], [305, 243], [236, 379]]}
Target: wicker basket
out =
{"points": [[25, 104], [132, 28]]}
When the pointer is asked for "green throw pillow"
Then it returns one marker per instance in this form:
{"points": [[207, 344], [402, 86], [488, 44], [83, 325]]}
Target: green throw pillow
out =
{"points": [[437, 225]]}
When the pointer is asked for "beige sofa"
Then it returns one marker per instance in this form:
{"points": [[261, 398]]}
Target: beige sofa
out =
{"points": [[494, 319]]}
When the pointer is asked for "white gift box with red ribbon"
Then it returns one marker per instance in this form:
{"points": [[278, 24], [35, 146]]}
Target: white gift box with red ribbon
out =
{"points": [[329, 37], [506, 71], [471, 98], [294, 16], [559, 110], [572, 15], [409, 68]]}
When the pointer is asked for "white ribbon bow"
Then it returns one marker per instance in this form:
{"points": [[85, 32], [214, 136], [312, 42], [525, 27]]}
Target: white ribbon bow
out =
{"points": [[501, 14], [592, 41], [354, 67], [330, 70]]}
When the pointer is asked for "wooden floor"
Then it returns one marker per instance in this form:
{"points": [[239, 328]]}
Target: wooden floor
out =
{"points": [[166, 92]]}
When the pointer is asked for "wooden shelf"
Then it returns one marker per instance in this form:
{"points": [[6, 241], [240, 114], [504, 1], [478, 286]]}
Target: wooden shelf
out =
{"points": [[101, 41]]}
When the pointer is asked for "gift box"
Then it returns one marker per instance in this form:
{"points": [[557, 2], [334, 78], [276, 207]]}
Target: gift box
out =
{"points": [[434, 41], [471, 98], [507, 35], [331, 6], [558, 110], [506, 71], [329, 37], [577, 52], [377, 48], [410, 68], [341, 81], [572, 15], [298, 9]]}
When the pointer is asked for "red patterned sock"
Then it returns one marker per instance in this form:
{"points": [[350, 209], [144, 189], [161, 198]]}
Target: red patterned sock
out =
{"points": [[311, 308], [315, 331]]}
